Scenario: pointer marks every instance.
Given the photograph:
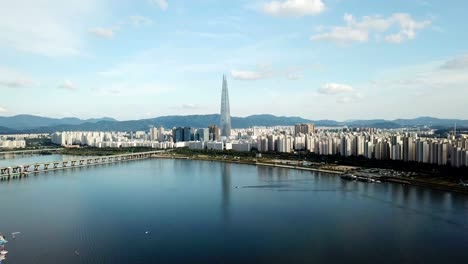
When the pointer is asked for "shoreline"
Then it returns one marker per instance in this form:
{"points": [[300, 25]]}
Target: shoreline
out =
{"points": [[265, 164], [394, 180], [413, 181]]}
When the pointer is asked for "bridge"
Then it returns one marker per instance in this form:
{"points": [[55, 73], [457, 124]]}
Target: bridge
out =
{"points": [[30, 151], [18, 171]]}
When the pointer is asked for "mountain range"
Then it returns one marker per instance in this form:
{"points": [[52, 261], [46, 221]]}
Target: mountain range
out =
{"points": [[38, 124], [24, 122]]}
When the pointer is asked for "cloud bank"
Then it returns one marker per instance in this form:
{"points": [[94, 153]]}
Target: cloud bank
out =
{"points": [[396, 28]]}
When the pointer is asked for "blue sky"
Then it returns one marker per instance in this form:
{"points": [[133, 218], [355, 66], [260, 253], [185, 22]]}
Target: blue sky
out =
{"points": [[318, 59]]}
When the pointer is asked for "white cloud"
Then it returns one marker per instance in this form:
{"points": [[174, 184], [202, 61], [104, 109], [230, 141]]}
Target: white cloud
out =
{"points": [[134, 89], [190, 106], [344, 100], [342, 34], [212, 35], [335, 88], [10, 78], [428, 89], [433, 76], [163, 4], [249, 75], [294, 76], [138, 20], [109, 33], [408, 27], [403, 25], [67, 85], [102, 32], [293, 8], [16, 83], [3, 110], [456, 63], [266, 71], [45, 27]]}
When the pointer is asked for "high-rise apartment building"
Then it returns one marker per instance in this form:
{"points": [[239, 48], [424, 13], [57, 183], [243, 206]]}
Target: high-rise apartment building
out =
{"points": [[306, 129], [154, 134]]}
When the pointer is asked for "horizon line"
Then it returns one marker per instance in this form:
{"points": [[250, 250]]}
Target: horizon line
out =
{"points": [[287, 116]]}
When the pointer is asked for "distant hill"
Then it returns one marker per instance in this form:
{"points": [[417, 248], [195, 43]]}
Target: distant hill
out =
{"points": [[22, 122], [175, 121], [431, 121], [6, 130], [37, 124]]}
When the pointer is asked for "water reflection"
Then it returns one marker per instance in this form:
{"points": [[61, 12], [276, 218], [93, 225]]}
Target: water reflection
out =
{"points": [[323, 218], [226, 189], [270, 174]]}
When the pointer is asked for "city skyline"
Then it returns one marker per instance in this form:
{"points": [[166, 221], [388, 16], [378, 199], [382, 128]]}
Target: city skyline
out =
{"points": [[317, 59]]}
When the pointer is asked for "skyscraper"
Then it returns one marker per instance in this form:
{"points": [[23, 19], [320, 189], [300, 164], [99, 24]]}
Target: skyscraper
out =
{"points": [[213, 131], [225, 111]]}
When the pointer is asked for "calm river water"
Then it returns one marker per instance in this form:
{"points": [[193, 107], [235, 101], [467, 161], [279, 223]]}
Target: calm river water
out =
{"points": [[182, 211]]}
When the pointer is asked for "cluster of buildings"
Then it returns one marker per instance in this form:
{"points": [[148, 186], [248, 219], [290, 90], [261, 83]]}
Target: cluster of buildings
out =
{"points": [[372, 143], [402, 145], [16, 141], [12, 144], [156, 138]]}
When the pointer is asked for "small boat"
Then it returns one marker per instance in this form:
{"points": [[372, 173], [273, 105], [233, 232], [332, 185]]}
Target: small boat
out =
{"points": [[3, 252], [348, 177], [3, 241], [13, 235], [2, 257]]}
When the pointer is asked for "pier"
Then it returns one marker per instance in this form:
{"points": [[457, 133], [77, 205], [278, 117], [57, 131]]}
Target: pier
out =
{"points": [[18, 171]]}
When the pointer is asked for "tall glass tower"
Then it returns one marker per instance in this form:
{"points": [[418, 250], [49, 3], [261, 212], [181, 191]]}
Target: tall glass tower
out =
{"points": [[225, 111]]}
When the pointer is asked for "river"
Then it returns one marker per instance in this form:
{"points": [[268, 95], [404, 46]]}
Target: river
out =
{"points": [[184, 211]]}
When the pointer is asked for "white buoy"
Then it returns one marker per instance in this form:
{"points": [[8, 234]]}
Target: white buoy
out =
{"points": [[13, 235]]}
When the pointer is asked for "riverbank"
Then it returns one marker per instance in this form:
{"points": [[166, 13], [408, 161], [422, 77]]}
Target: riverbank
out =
{"points": [[430, 181], [427, 183], [267, 164]]}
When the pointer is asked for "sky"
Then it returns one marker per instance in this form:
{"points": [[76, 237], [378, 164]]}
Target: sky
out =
{"points": [[318, 59]]}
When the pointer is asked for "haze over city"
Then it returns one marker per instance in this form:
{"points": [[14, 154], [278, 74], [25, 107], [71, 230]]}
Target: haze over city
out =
{"points": [[316, 59]]}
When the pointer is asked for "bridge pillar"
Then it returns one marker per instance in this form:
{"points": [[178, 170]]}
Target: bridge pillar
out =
{"points": [[55, 165], [65, 164], [36, 167], [46, 166]]}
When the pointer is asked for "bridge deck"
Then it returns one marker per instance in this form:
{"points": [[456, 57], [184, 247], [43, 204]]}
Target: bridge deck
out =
{"points": [[20, 170]]}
